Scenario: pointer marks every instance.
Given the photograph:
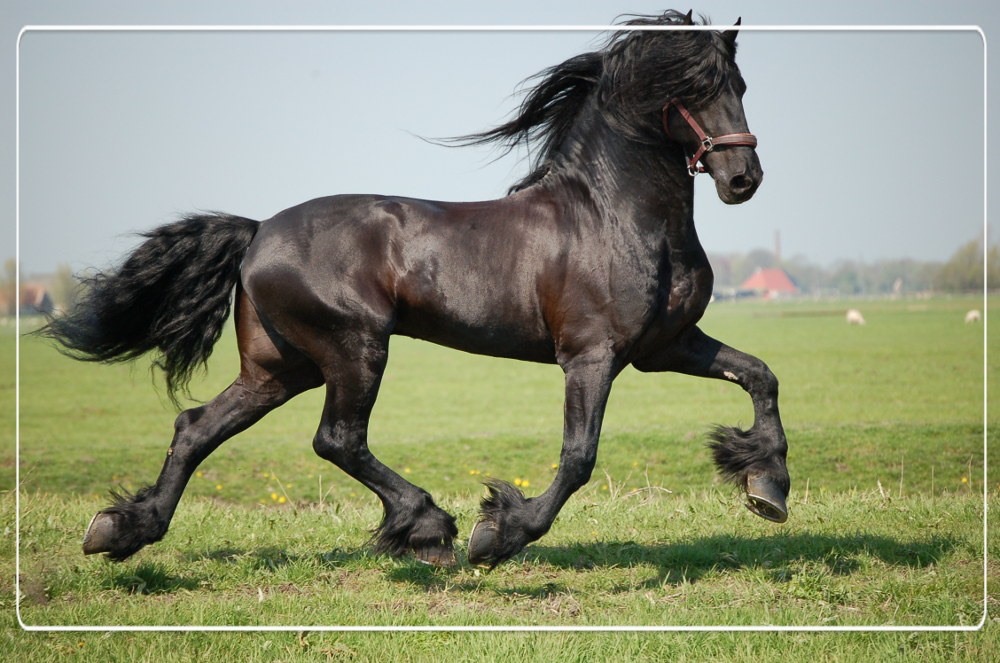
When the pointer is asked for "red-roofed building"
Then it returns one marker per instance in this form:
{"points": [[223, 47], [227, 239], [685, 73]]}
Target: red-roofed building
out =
{"points": [[34, 300], [770, 283]]}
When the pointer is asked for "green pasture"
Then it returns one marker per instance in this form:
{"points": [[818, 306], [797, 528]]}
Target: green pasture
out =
{"points": [[885, 427]]}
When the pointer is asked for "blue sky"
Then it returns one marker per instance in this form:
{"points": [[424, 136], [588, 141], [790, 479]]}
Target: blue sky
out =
{"points": [[871, 140]]}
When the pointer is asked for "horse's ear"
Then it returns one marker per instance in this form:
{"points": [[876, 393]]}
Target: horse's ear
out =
{"points": [[731, 34], [689, 19]]}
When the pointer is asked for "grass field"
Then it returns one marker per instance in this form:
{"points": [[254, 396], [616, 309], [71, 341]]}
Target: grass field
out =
{"points": [[885, 426]]}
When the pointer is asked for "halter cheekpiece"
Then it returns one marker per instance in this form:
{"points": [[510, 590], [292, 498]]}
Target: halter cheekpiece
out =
{"points": [[706, 143]]}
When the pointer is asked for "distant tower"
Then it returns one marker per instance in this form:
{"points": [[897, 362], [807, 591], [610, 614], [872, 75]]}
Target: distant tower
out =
{"points": [[777, 247]]}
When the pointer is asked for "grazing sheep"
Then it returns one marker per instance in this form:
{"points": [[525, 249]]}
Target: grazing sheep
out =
{"points": [[854, 317], [972, 316]]}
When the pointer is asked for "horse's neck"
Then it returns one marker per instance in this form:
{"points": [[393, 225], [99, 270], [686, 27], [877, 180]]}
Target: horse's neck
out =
{"points": [[646, 187]]}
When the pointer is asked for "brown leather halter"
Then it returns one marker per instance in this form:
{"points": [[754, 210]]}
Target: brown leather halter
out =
{"points": [[707, 143]]}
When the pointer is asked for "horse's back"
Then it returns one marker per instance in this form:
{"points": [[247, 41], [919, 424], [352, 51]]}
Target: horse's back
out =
{"points": [[463, 275]]}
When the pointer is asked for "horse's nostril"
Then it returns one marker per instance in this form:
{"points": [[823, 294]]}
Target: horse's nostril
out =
{"points": [[740, 183]]}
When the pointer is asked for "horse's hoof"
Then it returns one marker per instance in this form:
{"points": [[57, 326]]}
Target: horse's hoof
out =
{"points": [[765, 498], [440, 556], [100, 534], [483, 541]]}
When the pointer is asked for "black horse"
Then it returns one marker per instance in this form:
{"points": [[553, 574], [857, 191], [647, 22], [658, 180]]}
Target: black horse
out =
{"points": [[591, 262]]}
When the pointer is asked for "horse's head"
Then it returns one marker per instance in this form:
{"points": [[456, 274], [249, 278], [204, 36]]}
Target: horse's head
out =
{"points": [[715, 134], [644, 81], [689, 79], [727, 152]]}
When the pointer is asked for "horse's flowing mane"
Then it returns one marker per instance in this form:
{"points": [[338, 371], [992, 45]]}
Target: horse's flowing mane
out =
{"points": [[635, 73]]}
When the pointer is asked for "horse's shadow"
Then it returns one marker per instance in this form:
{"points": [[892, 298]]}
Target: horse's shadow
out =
{"points": [[148, 578], [777, 554], [779, 557], [272, 558], [155, 578]]}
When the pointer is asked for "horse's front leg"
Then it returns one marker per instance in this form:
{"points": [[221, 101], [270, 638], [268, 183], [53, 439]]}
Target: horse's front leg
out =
{"points": [[753, 459], [509, 521]]}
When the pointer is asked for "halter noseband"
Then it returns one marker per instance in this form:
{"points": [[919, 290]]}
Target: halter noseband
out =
{"points": [[707, 143]]}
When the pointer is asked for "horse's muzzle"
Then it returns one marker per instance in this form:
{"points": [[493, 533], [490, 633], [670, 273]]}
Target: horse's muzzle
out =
{"points": [[737, 176]]}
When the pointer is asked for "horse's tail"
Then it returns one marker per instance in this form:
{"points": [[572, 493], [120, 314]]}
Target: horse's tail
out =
{"points": [[172, 295]]}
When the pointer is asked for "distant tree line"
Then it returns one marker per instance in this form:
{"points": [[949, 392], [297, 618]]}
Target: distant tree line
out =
{"points": [[962, 273]]}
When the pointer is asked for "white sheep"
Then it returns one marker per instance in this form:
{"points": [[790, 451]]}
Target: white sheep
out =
{"points": [[854, 317]]}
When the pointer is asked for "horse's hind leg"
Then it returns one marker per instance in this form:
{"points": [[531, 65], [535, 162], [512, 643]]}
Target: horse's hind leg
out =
{"points": [[753, 459], [412, 522], [508, 520], [271, 373]]}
